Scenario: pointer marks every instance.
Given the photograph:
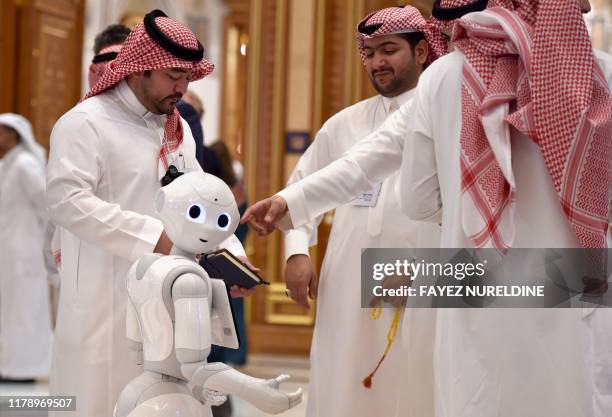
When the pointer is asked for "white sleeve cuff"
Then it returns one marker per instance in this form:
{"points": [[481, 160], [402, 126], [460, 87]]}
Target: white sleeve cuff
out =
{"points": [[297, 214], [297, 242]]}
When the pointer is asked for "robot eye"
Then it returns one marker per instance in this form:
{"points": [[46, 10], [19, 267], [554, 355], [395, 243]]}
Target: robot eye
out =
{"points": [[223, 221], [196, 213]]}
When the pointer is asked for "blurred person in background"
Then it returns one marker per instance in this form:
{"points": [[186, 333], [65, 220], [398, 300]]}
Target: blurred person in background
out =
{"points": [[232, 173], [191, 109], [193, 99], [106, 47], [228, 173], [25, 323]]}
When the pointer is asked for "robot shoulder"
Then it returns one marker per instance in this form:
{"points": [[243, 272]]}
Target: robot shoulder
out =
{"points": [[144, 263], [162, 273]]}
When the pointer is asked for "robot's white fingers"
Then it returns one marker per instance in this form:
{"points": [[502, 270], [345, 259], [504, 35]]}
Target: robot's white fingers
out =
{"points": [[214, 397], [282, 378], [217, 401], [275, 383], [295, 397]]}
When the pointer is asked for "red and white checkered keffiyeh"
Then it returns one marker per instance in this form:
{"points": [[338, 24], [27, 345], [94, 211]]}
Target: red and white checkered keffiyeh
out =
{"points": [[96, 69], [446, 12], [394, 20], [141, 53], [537, 54]]}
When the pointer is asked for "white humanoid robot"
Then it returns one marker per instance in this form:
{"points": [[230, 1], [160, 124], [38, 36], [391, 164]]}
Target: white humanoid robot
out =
{"points": [[175, 312]]}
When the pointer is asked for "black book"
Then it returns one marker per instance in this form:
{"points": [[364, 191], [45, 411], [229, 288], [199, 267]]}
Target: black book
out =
{"points": [[223, 265]]}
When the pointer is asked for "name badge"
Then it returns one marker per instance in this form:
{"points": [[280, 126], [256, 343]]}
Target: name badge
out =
{"points": [[368, 199]]}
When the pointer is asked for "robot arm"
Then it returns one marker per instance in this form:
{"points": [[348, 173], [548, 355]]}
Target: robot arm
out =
{"points": [[191, 297], [192, 303], [134, 335], [262, 393]]}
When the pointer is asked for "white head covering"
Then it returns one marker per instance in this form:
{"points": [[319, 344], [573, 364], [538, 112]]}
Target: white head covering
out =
{"points": [[24, 129]]}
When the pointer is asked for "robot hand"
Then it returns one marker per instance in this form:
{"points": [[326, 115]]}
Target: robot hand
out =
{"points": [[270, 399], [262, 393], [214, 398], [275, 383]]}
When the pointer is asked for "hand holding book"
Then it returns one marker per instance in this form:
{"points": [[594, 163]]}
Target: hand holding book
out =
{"points": [[239, 292], [237, 273]]}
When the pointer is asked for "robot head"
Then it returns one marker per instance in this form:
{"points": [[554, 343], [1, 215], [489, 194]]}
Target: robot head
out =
{"points": [[198, 211]]}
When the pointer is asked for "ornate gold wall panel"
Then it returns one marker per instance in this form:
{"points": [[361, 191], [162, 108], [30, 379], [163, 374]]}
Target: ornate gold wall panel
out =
{"points": [[8, 55], [40, 59], [234, 77], [266, 122], [50, 48], [300, 64]]}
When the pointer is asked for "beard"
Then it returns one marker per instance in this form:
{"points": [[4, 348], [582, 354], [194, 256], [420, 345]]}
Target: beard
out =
{"points": [[390, 89], [399, 83], [155, 103], [167, 104]]}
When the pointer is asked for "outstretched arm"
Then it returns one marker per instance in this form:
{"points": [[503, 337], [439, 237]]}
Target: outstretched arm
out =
{"points": [[191, 295], [262, 393], [365, 164]]}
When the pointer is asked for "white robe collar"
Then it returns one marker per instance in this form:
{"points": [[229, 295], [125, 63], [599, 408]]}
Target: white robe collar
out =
{"points": [[400, 100]]}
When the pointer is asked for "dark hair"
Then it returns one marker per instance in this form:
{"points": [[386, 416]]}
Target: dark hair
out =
{"points": [[112, 35]]}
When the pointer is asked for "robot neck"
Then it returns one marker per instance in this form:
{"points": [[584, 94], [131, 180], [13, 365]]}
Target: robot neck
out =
{"points": [[176, 251]]}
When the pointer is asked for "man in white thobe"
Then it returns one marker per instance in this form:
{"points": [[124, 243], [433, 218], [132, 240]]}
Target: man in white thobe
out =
{"points": [[106, 47], [107, 156], [347, 342], [510, 359], [25, 323], [516, 363]]}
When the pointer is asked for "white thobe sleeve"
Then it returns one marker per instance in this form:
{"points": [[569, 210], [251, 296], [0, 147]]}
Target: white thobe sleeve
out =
{"points": [[418, 188], [365, 164], [317, 156], [76, 166]]}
